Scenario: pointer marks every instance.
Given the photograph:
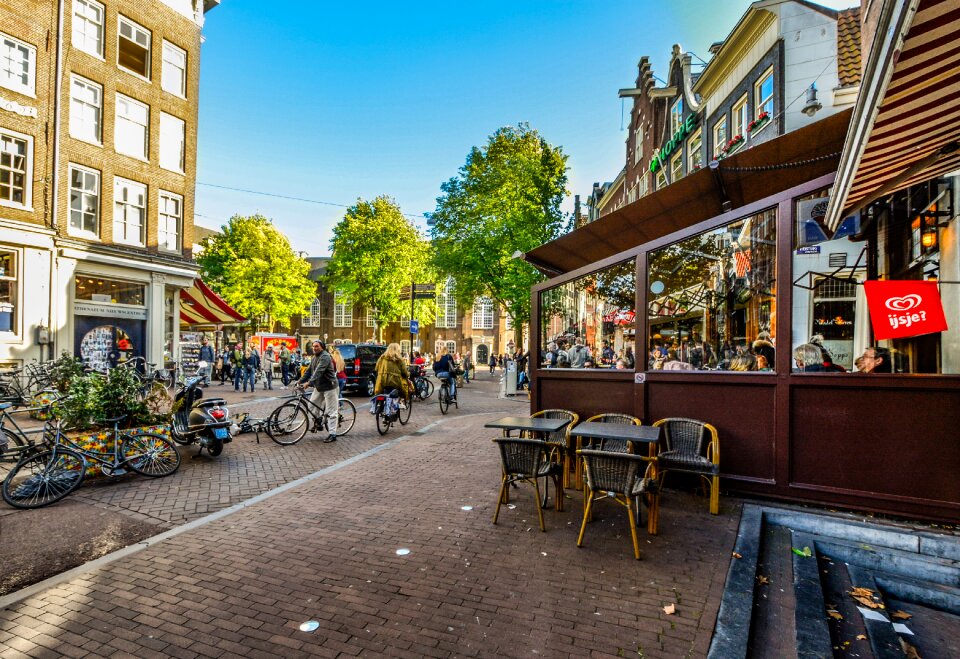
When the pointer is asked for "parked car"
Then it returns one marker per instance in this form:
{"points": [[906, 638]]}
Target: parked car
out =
{"points": [[360, 360]]}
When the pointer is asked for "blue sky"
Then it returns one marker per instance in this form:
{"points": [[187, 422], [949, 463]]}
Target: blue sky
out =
{"points": [[332, 101]]}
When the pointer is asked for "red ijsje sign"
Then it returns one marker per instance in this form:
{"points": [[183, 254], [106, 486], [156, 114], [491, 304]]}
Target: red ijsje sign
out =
{"points": [[899, 309]]}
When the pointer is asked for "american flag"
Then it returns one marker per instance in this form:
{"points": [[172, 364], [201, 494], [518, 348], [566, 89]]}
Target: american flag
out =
{"points": [[742, 259]]}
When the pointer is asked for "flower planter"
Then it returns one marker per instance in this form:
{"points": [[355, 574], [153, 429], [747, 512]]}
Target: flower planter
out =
{"points": [[759, 122], [733, 144], [101, 441], [42, 399]]}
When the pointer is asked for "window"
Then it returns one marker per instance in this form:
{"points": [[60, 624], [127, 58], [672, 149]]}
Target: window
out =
{"points": [[661, 178], [637, 145], [644, 184], [447, 306], [132, 128], [171, 142], [86, 109], [483, 313], [676, 116], [133, 48], [695, 151], [129, 211], [173, 79], [371, 317], [18, 65], [342, 310], [405, 321], [170, 221], [713, 297], [16, 169], [719, 136], [405, 347], [451, 347], [763, 94], [84, 201], [88, 27], [676, 167], [314, 317], [740, 116], [8, 291], [590, 319], [93, 288]]}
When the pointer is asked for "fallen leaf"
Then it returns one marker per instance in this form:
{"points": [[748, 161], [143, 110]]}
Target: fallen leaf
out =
{"points": [[862, 592], [861, 637], [805, 552], [835, 615], [762, 580], [908, 650], [736, 555], [670, 609], [901, 615], [870, 603]]}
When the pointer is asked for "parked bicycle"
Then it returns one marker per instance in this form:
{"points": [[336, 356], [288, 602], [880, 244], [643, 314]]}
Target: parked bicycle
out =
{"points": [[45, 476], [389, 409], [288, 424], [15, 440], [445, 397]]}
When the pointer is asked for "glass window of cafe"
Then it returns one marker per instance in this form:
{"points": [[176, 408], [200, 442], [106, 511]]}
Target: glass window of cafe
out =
{"points": [[109, 291], [590, 322], [910, 236], [712, 299]]}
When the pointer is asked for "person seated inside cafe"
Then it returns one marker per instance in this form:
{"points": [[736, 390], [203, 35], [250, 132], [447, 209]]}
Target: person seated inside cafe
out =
{"points": [[765, 354], [672, 363], [875, 360], [808, 359]]}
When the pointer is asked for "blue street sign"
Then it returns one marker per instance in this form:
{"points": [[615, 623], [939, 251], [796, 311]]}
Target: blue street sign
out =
{"points": [[414, 326]]}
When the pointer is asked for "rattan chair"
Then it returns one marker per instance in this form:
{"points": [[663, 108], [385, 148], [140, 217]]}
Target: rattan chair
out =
{"points": [[619, 446], [694, 447], [527, 460], [561, 450], [627, 477]]}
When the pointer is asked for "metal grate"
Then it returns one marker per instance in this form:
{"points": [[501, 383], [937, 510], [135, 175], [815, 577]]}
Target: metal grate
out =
{"points": [[835, 288], [838, 260]]}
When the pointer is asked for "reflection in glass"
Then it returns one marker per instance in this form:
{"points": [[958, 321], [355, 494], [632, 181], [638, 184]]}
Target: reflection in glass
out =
{"points": [[590, 322], [712, 299], [111, 291]]}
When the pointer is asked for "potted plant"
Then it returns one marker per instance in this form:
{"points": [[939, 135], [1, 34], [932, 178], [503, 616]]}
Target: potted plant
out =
{"points": [[761, 120]]}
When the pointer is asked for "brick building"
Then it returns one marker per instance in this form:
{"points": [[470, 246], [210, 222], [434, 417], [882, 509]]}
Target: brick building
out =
{"points": [[105, 128]]}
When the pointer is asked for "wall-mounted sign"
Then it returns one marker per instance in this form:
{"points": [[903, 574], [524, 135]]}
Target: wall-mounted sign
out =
{"points": [[685, 129], [809, 249], [639, 378], [109, 311], [899, 309], [16, 108]]}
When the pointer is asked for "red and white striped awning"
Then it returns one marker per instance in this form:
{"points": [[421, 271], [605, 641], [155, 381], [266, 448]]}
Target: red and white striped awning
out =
{"points": [[906, 125], [199, 305]]}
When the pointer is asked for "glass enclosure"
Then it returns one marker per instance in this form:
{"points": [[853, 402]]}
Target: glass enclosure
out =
{"points": [[590, 322]]}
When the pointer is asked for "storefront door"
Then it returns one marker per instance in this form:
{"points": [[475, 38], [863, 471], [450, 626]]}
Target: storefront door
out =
{"points": [[103, 343]]}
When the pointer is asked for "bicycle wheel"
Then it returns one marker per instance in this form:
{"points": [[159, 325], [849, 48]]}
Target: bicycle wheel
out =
{"points": [[404, 415], [383, 422], [43, 478], [11, 449], [444, 396], [288, 423], [428, 384], [150, 455], [348, 416]]}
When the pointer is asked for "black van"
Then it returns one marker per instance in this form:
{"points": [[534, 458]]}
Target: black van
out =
{"points": [[360, 364]]}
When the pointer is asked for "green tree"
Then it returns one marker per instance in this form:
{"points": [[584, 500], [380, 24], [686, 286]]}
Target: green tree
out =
{"points": [[505, 198], [376, 252], [252, 266]]}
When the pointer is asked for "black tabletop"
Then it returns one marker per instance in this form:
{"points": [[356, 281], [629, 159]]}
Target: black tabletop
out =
{"points": [[621, 431], [538, 424]]}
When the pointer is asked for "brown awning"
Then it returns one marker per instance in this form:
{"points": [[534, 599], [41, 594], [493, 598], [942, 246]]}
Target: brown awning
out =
{"points": [[741, 179], [914, 135]]}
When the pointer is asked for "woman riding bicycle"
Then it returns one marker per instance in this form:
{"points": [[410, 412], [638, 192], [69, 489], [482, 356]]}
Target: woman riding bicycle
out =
{"points": [[392, 373], [444, 368]]}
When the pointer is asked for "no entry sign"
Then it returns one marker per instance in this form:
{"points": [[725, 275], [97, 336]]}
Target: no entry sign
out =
{"points": [[899, 309]]}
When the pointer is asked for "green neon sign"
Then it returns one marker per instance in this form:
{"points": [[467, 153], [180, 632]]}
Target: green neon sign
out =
{"points": [[685, 129]]}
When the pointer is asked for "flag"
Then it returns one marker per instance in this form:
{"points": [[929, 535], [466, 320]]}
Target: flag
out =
{"points": [[742, 258]]}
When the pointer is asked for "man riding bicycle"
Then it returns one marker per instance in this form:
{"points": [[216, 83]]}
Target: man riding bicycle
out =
{"points": [[444, 368], [322, 376]]}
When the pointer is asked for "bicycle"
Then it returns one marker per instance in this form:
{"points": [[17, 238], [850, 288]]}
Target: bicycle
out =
{"points": [[288, 424], [386, 414], [422, 387], [16, 442], [445, 397], [46, 476]]}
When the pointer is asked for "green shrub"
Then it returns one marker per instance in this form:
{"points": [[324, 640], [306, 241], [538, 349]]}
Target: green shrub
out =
{"points": [[93, 397]]}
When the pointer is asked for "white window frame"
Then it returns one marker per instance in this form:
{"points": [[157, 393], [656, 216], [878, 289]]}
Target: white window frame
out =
{"points": [[483, 312], [82, 231], [405, 347], [27, 171], [315, 316], [121, 219], [759, 102], [342, 309], [9, 45], [440, 344], [741, 117], [117, 144], [17, 294], [676, 167], [371, 317], [676, 115], [81, 38], [167, 83], [720, 139], [135, 27], [81, 107], [173, 138], [446, 306], [637, 145], [695, 150], [405, 321], [661, 177], [163, 222]]}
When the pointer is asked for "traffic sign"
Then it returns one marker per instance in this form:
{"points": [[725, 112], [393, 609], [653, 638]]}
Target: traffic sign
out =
{"points": [[414, 327]]}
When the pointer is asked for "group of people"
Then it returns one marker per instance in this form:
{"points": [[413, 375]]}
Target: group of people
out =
{"points": [[244, 366], [563, 353]]}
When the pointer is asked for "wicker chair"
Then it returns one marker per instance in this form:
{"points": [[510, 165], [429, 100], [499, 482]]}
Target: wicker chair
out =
{"points": [[526, 460], [694, 447], [618, 474], [618, 446], [561, 450]]}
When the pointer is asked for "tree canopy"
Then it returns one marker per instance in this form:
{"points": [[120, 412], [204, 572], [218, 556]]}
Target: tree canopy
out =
{"points": [[376, 252], [253, 267], [505, 198]]}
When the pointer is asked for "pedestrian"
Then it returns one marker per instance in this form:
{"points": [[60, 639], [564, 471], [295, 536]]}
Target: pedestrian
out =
{"points": [[236, 363], [251, 363], [467, 365], [341, 366], [224, 365], [269, 359], [206, 358], [493, 364], [284, 364], [322, 376]]}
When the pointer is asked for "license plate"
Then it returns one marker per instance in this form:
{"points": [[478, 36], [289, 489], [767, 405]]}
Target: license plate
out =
{"points": [[221, 433]]}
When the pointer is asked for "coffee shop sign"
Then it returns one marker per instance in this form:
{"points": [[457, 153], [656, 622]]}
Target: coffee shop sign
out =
{"points": [[685, 129]]}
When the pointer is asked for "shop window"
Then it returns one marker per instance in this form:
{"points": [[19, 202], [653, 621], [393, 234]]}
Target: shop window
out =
{"points": [[16, 169], [88, 27], [695, 151], [342, 309], [719, 136], [170, 221], [18, 65], [447, 306], [590, 322], [131, 131], [9, 289], [129, 211], [133, 48], [482, 313], [86, 109], [172, 140], [174, 76], [712, 299], [108, 291], [84, 201], [170, 318], [763, 95]]}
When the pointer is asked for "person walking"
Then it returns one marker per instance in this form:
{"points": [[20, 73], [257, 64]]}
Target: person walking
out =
{"points": [[269, 359], [207, 358], [341, 367], [225, 371], [251, 363], [322, 376], [493, 364], [236, 363], [467, 365], [284, 364]]}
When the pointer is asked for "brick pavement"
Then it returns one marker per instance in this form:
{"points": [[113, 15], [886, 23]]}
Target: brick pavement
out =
{"points": [[325, 550]]}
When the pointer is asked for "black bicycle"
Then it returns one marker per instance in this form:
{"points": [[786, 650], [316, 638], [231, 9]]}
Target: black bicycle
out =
{"points": [[15, 440], [444, 395], [391, 408], [289, 423]]}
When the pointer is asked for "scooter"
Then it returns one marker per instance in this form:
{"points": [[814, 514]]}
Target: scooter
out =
{"points": [[206, 422]]}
